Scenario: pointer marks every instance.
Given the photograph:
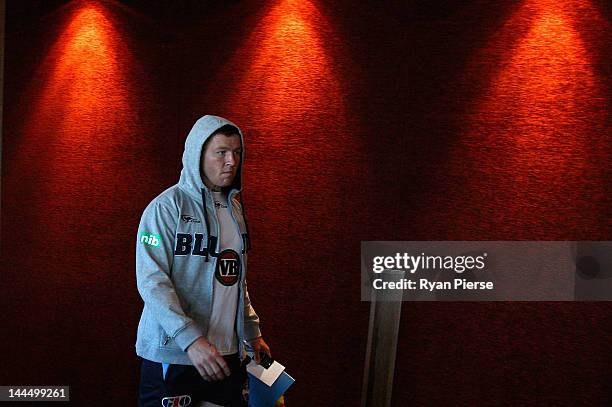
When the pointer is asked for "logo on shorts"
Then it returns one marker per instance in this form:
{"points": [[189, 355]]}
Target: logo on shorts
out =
{"points": [[176, 401], [227, 271]]}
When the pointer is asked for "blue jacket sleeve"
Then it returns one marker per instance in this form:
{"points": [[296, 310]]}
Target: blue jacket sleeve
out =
{"points": [[154, 257]]}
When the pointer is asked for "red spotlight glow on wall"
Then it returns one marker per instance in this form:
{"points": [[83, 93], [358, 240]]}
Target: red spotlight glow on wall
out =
{"points": [[292, 67], [74, 145], [542, 83], [84, 78], [534, 137], [288, 70], [283, 86]]}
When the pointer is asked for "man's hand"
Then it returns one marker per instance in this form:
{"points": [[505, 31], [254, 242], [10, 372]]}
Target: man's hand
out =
{"points": [[259, 345], [207, 360]]}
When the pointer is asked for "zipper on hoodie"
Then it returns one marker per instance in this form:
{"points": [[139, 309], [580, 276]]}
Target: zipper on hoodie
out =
{"points": [[212, 242], [240, 309], [216, 242]]}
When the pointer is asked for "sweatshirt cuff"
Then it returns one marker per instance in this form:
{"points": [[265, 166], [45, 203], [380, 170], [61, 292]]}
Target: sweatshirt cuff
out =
{"points": [[187, 336], [252, 332]]}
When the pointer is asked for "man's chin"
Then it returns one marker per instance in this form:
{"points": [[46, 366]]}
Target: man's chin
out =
{"points": [[225, 184], [226, 181]]}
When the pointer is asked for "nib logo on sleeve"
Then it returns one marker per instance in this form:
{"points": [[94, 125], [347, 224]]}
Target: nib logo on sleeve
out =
{"points": [[151, 239]]}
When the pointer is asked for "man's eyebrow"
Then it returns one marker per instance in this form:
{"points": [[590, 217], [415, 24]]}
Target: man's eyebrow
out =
{"points": [[225, 147]]}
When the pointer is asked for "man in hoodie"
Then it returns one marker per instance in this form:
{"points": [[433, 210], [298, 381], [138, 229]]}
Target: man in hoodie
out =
{"points": [[191, 256]]}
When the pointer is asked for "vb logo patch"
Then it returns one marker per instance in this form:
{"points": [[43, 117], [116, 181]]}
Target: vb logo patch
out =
{"points": [[227, 271]]}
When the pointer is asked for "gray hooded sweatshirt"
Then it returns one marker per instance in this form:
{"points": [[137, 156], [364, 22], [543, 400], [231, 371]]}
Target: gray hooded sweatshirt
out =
{"points": [[177, 250]]}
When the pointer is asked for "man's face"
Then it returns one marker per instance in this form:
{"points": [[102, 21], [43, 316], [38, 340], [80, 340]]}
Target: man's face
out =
{"points": [[221, 160]]}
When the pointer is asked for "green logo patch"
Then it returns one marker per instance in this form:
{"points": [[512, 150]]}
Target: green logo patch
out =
{"points": [[151, 239]]}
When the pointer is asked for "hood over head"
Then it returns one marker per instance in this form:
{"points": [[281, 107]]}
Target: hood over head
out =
{"points": [[191, 176]]}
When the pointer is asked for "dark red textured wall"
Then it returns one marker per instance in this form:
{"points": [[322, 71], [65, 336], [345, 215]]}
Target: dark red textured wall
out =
{"points": [[399, 121]]}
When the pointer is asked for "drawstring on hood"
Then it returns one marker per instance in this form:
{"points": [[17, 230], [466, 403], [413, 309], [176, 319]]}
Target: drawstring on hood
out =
{"points": [[191, 176], [212, 240]]}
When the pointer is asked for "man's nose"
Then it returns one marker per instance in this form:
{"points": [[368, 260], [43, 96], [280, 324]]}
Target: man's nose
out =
{"points": [[230, 159]]}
